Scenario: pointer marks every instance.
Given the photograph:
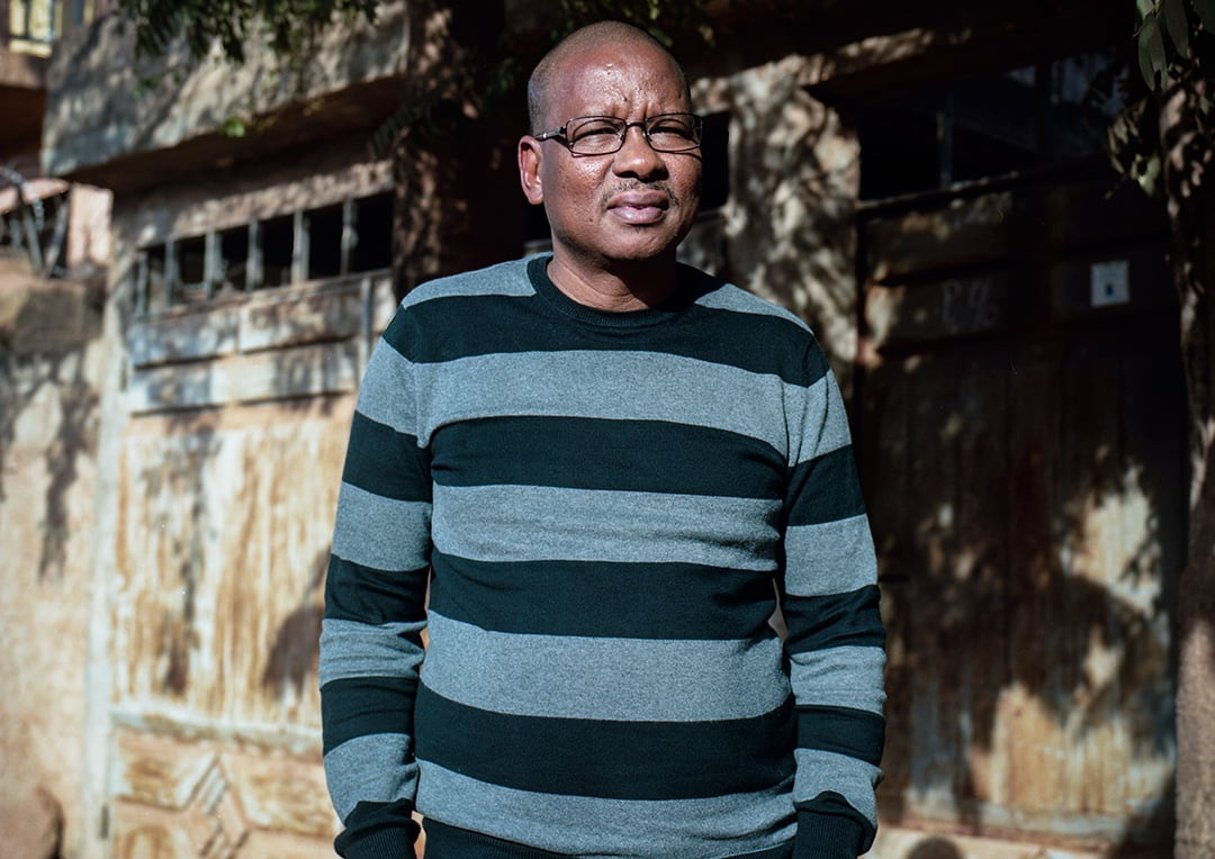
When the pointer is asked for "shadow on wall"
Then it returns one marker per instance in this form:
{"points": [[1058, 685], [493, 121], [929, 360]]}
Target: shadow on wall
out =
{"points": [[292, 663], [1028, 502], [935, 848], [46, 328]]}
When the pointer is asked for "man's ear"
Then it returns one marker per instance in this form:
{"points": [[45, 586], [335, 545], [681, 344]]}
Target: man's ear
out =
{"points": [[530, 158]]}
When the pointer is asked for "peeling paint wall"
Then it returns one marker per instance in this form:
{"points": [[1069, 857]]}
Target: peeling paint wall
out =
{"points": [[230, 427]]}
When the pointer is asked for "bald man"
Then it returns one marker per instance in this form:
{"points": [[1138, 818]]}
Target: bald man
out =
{"points": [[608, 468]]}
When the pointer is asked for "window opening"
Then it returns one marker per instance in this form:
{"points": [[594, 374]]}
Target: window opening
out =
{"points": [[187, 265], [233, 271], [372, 226], [155, 293], [277, 249], [1033, 117], [326, 242], [324, 227]]}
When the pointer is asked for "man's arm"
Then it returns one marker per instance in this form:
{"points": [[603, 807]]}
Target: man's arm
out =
{"points": [[836, 641], [371, 647]]}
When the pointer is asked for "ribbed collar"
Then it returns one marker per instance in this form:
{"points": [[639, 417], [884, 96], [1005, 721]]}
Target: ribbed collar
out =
{"points": [[682, 298]]}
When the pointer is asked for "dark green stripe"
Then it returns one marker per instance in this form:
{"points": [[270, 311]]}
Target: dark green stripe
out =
{"points": [[623, 760], [602, 599], [368, 595], [362, 706], [834, 620], [489, 324], [588, 453], [452, 842], [825, 489], [856, 733], [386, 462], [619, 759]]}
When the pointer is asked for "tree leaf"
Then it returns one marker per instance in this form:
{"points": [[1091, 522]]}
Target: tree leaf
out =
{"points": [[1147, 32], [1153, 59], [1177, 25], [1206, 13]]}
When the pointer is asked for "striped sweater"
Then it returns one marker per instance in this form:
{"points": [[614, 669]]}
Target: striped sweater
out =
{"points": [[606, 508]]}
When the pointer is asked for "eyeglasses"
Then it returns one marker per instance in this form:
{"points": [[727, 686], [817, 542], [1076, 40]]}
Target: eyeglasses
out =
{"points": [[603, 135]]}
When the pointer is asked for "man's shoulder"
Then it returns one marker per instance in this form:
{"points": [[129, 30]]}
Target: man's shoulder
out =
{"points": [[505, 279], [716, 294]]}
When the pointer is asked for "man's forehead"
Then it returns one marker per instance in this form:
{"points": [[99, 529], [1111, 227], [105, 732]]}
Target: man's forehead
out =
{"points": [[635, 64]]}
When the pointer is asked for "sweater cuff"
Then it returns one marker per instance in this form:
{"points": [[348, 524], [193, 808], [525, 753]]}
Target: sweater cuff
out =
{"points": [[827, 836], [383, 843]]}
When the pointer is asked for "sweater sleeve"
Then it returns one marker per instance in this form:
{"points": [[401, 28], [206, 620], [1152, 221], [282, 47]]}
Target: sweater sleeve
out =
{"points": [[836, 641], [371, 646]]}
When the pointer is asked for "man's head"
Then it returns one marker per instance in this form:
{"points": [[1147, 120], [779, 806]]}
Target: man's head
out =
{"points": [[634, 204]]}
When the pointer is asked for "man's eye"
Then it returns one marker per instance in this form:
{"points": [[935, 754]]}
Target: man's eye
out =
{"points": [[595, 129], [672, 129]]}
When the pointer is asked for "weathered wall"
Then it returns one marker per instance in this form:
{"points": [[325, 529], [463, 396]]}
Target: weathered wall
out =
{"points": [[92, 118], [1023, 453], [49, 354], [788, 228], [228, 428]]}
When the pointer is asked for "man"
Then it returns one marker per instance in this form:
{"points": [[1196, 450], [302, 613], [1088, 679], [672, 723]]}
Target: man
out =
{"points": [[603, 462]]}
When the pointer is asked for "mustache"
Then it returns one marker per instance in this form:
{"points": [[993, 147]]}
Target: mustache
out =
{"points": [[624, 187]]}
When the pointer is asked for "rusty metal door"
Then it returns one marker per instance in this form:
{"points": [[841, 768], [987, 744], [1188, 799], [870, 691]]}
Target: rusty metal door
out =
{"points": [[1023, 447]]}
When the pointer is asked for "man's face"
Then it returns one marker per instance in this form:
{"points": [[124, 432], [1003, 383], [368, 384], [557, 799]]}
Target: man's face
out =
{"points": [[632, 205]]}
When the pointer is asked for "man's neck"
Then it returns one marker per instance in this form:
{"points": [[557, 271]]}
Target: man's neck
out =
{"points": [[620, 288]]}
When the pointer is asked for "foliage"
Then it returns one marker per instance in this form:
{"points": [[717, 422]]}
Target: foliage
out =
{"points": [[1176, 52], [288, 26]]}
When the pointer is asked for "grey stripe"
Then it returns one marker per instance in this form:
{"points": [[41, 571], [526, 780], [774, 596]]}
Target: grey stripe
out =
{"points": [[376, 768], [731, 297], [596, 828], [535, 523], [819, 771], [826, 420], [620, 385], [630, 680], [829, 558], [386, 394], [504, 278], [379, 532], [840, 677], [353, 649]]}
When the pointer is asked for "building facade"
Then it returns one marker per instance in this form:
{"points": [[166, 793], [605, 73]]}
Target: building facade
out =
{"points": [[925, 186]]}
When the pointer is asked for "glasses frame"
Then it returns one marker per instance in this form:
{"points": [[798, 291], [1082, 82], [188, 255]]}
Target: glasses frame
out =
{"points": [[559, 135]]}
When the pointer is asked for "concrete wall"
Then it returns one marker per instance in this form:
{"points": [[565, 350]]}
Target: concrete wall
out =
{"points": [[50, 355], [93, 119]]}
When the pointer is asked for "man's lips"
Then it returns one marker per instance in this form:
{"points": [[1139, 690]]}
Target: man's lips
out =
{"points": [[639, 207]]}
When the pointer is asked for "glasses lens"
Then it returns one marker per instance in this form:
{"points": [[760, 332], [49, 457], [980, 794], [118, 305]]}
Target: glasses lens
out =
{"points": [[594, 135], [603, 135], [674, 132]]}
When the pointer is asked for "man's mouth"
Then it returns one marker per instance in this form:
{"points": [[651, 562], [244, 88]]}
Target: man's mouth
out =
{"points": [[639, 207]]}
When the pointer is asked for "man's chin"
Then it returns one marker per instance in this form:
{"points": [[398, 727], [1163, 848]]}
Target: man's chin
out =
{"points": [[626, 246]]}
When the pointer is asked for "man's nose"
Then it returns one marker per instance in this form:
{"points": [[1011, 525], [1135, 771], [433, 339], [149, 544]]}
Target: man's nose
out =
{"points": [[636, 155]]}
